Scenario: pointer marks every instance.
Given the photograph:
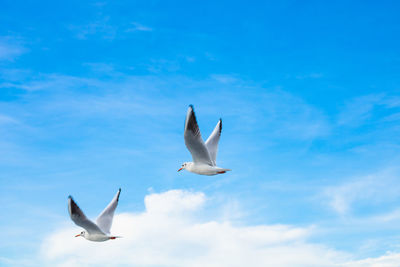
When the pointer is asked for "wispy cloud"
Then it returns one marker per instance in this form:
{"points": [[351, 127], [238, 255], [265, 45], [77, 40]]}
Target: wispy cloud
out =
{"points": [[59, 104], [138, 27], [363, 108], [358, 110], [10, 48], [285, 115], [101, 27], [313, 75], [371, 189], [4, 119], [160, 65], [224, 78], [52, 82], [390, 259]]}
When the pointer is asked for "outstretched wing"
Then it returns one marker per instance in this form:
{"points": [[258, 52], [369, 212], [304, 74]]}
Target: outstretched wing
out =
{"points": [[212, 142], [193, 139], [104, 221], [80, 219]]}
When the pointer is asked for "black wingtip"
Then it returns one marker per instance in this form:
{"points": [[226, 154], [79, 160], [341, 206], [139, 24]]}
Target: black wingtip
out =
{"points": [[191, 109], [119, 192], [191, 121], [72, 207], [69, 197]]}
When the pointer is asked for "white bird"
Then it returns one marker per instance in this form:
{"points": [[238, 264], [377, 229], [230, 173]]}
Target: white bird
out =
{"points": [[99, 231], [204, 154]]}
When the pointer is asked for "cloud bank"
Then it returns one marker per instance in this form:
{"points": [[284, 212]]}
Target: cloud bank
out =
{"points": [[169, 233]]}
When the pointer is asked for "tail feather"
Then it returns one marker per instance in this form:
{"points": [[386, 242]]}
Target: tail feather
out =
{"points": [[221, 170]]}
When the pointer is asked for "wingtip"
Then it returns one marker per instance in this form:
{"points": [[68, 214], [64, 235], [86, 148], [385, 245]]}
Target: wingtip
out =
{"points": [[190, 111], [71, 201], [191, 108], [70, 204], [119, 192], [191, 121]]}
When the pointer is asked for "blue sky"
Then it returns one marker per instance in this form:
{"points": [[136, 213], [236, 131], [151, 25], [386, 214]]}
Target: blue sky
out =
{"points": [[93, 97]]}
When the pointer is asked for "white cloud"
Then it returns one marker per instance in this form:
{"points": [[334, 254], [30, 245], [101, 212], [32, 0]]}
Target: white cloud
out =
{"points": [[168, 233], [388, 260]]}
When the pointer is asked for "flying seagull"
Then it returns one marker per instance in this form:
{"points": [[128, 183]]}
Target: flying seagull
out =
{"points": [[204, 154], [99, 231]]}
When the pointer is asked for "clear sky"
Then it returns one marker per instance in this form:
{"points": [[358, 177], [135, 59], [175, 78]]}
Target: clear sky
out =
{"points": [[93, 97]]}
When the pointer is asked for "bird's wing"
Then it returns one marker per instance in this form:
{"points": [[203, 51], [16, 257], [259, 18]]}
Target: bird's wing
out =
{"points": [[212, 142], [193, 139], [104, 221], [79, 218]]}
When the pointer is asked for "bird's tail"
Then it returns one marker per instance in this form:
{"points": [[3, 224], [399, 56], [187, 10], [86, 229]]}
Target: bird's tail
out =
{"points": [[222, 170]]}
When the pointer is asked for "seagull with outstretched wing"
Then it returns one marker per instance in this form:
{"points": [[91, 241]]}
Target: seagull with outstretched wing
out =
{"points": [[204, 154], [99, 231]]}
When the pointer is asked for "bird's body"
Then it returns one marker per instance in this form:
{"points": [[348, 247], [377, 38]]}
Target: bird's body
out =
{"points": [[99, 231], [97, 237], [204, 154], [204, 169]]}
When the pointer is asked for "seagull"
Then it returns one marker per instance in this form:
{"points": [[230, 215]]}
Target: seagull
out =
{"points": [[99, 231], [204, 154]]}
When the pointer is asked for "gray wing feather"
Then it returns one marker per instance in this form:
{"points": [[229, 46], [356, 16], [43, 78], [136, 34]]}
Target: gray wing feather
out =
{"points": [[104, 221], [80, 219], [212, 142], [193, 140]]}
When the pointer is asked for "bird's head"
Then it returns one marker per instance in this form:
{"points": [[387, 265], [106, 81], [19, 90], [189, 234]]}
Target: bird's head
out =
{"points": [[185, 165], [83, 234]]}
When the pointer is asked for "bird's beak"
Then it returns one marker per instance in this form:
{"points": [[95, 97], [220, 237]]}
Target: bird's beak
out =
{"points": [[78, 235], [180, 169]]}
